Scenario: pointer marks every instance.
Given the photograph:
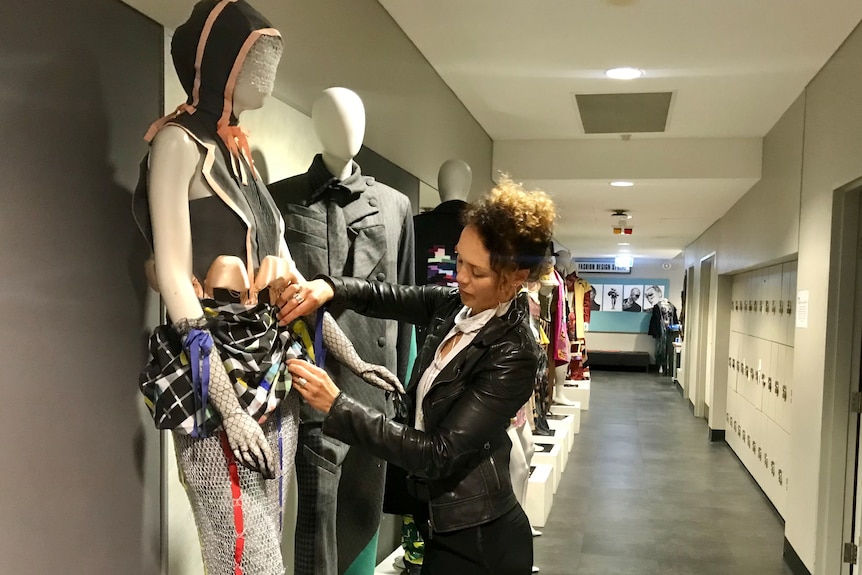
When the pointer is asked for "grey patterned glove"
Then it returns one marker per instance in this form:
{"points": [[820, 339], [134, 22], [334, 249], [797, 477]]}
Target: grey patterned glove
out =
{"points": [[246, 438], [340, 346]]}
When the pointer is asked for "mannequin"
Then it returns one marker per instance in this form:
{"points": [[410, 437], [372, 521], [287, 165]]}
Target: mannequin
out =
{"points": [[454, 180], [219, 253], [340, 221], [438, 230], [663, 317]]}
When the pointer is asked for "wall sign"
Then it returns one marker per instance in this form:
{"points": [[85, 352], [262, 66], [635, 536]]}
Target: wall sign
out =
{"points": [[600, 266]]}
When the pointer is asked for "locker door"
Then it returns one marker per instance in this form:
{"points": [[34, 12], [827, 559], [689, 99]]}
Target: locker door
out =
{"points": [[769, 399], [785, 397], [773, 294]]}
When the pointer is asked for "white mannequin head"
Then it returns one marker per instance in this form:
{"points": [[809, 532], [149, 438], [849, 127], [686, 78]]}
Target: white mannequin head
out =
{"points": [[454, 180], [564, 262], [338, 116], [256, 78]]}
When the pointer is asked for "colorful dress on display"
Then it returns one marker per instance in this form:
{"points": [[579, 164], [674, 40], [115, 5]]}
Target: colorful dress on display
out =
{"points": [[238, 512]]}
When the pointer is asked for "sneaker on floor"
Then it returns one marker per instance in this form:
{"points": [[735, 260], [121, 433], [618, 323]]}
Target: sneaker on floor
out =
{"points": [[536, 532]]}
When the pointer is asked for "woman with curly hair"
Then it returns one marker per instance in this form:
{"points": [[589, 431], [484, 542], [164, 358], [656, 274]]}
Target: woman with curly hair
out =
{"points": [[474, 371]]}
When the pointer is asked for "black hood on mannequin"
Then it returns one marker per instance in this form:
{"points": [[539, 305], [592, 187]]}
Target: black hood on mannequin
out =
{"points": [[207, 51]]}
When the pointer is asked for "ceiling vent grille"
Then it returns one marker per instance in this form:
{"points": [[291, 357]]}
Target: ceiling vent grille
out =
{"points": [[624, 113]]}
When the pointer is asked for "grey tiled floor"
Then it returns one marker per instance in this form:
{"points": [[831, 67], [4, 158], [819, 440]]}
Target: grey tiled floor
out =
{"points": [[646, 493]]}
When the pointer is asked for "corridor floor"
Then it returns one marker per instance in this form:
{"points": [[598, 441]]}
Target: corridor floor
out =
{"points": [[646, 493]]}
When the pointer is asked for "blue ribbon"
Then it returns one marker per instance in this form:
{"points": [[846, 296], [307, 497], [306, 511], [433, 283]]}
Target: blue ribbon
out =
{"points": [[319, 350], [199, 344]]}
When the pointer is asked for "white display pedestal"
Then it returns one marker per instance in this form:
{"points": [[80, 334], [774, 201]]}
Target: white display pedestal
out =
{"points": [[563, 425], [573, 410], [540, 495], [387, 566], [560, 438], [578, 390], [550, 454]]}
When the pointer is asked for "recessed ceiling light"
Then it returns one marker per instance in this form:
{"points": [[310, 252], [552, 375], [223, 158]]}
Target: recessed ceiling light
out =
{"points": [[624, 73], [622, 184], [623, 244]]}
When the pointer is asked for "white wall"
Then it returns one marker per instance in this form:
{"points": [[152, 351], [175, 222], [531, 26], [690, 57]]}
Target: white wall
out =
{"points": [[812, 150]]}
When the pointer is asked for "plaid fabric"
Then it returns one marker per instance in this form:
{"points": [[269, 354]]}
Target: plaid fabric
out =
{"points": [[254, 352]]}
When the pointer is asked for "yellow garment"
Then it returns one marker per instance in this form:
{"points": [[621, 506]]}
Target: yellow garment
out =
{"points": [[582, 287]]}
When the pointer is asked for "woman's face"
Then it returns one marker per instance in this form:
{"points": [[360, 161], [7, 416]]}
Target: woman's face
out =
{"points": [[479, 285]]}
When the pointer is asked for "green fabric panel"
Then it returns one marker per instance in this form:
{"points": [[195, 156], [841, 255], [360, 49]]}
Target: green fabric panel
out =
{"points": [[365, 562]]}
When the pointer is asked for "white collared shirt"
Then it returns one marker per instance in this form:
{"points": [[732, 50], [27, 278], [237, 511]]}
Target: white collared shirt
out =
{"points": [[467, 324]]}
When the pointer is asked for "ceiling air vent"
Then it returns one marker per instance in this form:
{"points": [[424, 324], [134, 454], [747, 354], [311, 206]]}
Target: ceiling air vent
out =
{"points": [[624, 113]]}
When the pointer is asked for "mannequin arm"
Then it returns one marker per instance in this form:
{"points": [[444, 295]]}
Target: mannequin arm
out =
{"points": [[174, 162], [342, 349]]}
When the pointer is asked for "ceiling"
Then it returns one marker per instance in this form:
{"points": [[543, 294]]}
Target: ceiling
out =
{"points": [[733, 67]]}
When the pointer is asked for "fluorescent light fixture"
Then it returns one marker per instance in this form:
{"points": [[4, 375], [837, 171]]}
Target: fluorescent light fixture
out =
{"points": [[624, 244], [622, 184], [625, 73], [623, 261]]}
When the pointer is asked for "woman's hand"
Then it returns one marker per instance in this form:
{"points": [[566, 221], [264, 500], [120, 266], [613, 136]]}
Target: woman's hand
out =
{"points": [[301, 299], [313, 384]]}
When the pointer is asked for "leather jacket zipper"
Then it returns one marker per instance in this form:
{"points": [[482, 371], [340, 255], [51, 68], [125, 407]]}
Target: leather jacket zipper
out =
{"points": [[494, 469]]}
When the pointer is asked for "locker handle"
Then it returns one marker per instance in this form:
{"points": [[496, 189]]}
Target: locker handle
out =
{"points": [[770, 384], [784, 392], [773, 469]]}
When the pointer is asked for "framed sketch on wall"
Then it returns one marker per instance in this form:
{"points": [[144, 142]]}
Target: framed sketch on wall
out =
{"points": [[652, 293], [633, 298], [612, 297], [596, 291]]}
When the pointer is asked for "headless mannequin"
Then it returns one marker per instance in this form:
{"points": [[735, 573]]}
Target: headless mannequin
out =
{"points": [[564, 266], [454, 180]]}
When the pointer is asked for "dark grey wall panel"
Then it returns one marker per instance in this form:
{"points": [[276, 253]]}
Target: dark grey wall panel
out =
{"points": [[80, 83]]}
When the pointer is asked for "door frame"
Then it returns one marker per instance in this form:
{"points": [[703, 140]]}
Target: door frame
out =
{"points": [[839, 435]]}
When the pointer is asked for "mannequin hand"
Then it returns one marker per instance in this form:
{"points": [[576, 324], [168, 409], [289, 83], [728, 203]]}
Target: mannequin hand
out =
{"points": [[301, 299], [248, 443], [313, 384], [379, 376]]}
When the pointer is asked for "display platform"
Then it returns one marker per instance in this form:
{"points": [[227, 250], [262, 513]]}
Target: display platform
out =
{"points": [[578, 390], [557, 439], [563, 423], [540, 494], [387, 566], [550, 454], [572, 410]]}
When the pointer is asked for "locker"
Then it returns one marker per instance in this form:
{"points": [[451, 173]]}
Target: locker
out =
{"points": [[773, 294], [732, 355], [785, 397], [788, 288], [768, 406], [780, 442]]}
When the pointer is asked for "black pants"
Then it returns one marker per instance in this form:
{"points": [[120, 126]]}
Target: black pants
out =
{"points": [[503, 546]]}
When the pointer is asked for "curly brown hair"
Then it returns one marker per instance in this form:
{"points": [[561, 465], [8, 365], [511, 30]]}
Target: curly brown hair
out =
{"points": [[515, 225]]}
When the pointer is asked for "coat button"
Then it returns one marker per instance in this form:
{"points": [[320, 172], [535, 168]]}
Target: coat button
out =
{"points": [[381, 277], [381, 341], [487, 445], [372, 202]]}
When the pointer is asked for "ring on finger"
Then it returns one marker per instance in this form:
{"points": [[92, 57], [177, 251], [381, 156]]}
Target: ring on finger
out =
{"points": [[298, 298], [301, 381]]}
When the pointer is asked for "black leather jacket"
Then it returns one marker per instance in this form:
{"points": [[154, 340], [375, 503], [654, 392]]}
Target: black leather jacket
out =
{"points": [[460, 463]]}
